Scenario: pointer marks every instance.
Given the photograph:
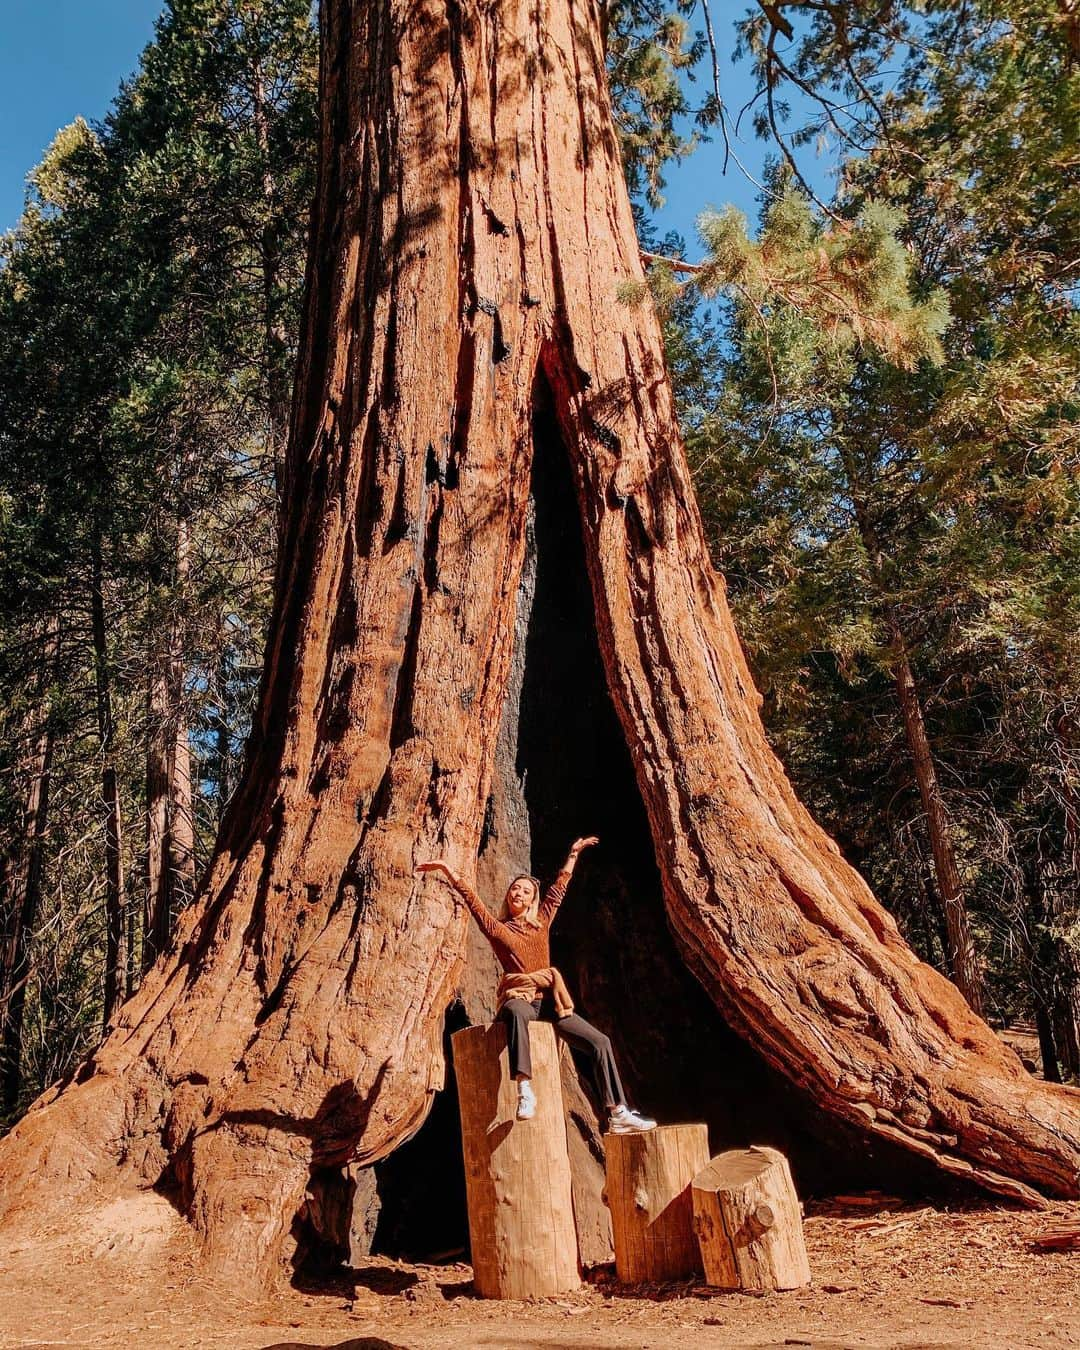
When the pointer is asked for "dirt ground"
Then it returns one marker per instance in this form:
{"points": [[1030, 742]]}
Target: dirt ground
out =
{"points": [[885, 1275]]}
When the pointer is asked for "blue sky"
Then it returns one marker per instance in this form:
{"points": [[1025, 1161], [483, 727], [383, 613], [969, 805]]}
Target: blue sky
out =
{"points": [[59, 58], [62, 58]]}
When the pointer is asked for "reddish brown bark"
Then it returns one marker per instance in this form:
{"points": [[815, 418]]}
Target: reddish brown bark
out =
{"points": [[470, 232]]}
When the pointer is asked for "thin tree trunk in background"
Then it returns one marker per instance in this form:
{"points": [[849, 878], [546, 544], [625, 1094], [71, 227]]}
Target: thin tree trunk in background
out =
{"points": [[275, 344], [182, 825], [962, 959], [133, 968], [181, 804], [115, 927], [223, 757], [1039, 979], [156, 894], [170, 881], [1066, 1012], [1070, 18], [1044, 1029], [24, 880], [1066, 906], [931, 916], [960, 953], [223, 734], [24, 877]]}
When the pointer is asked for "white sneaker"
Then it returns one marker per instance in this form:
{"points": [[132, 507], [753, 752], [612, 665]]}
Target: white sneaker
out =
{"points": [[526, 1107], [624, 1121]]}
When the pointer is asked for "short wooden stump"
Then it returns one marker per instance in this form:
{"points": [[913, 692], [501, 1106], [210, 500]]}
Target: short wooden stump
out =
{"points": [[648, 1193], [748, 1223], [517, 1172]]}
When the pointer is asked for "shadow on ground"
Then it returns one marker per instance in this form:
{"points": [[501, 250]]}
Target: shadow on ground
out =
{"points": [[385, 1280], [356, 1343]]}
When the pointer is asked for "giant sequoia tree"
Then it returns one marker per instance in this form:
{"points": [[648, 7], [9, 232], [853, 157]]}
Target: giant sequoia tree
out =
{"points": [[496, 623]]}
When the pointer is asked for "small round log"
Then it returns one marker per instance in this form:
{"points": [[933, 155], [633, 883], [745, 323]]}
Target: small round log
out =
{"points": [[648, 1193], [748, 1224], [517, 1172]]}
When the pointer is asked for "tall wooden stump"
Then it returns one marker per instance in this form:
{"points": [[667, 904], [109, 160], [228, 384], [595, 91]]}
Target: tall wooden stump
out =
{"points": [[648, 1192], [517, 1172], [747, 1218]]}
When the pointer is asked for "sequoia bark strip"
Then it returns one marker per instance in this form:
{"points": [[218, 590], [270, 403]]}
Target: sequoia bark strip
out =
{"points": [[470, 230]]}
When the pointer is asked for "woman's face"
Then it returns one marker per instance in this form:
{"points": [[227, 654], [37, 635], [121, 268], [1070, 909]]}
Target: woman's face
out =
{"points": [[520, 896]]}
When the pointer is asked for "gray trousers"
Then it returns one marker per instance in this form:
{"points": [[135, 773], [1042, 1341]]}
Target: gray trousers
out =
{"points": [[516, 1015]]}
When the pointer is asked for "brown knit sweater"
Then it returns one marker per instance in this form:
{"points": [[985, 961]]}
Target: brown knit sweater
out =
{"points": [[518, 945]]}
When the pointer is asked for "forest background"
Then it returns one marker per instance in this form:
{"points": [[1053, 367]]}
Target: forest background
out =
{"points": [[877, 381]]}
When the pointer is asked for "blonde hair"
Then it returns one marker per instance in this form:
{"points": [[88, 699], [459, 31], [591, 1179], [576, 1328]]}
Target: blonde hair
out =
{"points": [[530, 914]]}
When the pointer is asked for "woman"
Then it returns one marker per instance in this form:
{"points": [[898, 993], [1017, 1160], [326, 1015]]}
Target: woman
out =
{"points": [[520, 941]]}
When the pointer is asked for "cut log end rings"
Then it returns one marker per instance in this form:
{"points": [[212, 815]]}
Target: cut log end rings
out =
{"points": [[763, 1217]]}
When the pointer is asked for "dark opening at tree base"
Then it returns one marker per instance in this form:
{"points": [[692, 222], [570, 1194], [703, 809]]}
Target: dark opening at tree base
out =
{"points": [[563, 769], [679, 1059]]}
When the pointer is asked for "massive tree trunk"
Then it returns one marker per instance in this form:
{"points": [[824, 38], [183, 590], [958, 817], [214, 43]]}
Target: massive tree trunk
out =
{"points": [[465, 373]]}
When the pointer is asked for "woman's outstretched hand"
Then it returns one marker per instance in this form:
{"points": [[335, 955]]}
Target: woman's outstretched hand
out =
{"points": [[437, 865], [587, 841]]}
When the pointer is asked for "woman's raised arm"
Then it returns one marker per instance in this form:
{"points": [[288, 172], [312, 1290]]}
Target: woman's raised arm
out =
{"points": [[489, 924], [553, 896]]}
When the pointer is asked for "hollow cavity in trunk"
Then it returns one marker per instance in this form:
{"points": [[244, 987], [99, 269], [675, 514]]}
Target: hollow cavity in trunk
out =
{"points": [[562, 769]]}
